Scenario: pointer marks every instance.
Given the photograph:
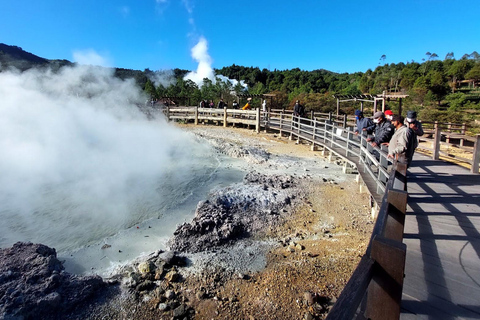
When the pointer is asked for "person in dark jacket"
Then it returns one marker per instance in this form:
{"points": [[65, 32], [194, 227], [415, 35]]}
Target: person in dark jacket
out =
{"points": [[412, 122], [383, 130], [298, 109], [362, 123]]}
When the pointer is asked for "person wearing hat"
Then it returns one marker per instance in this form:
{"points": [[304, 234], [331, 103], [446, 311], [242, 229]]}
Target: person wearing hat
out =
{"points": [[383, 130], [412, 122], [403, 143], [389, 115], [363, 124]]}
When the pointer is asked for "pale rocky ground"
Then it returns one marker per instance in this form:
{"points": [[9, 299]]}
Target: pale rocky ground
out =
{"points": [[309, 259], [293, 268]]}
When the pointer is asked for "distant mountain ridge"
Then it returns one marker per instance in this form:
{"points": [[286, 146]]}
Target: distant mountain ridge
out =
{"points": [[13, 56]]}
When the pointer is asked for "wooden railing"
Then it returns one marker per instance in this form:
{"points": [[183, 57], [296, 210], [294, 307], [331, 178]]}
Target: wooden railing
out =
{"points": [[450, 141], [374, 291]]}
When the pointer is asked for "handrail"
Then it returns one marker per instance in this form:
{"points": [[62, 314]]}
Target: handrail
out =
{"points": [[378, 279]]}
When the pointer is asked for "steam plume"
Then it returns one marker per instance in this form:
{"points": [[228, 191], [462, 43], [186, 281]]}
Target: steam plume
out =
{"points": [[78, 157]]}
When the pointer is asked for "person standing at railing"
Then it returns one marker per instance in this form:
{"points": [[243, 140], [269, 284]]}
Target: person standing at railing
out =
{"points": [[298, 109], [403, 143], [412, 122], [383, 130], [247, 106], [363, 123], [221, 104], [389, 115]]}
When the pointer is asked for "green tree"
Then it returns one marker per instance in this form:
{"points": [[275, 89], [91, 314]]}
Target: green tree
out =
{"points": [[474, 73], [150, 89], [455, 101]]}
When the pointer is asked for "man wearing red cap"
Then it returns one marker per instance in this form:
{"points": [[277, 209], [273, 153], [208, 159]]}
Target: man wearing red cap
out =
{"points": [[389, 115]]}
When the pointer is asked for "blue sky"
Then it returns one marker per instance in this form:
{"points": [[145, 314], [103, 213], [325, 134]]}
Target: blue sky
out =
{"points": [[341, 36]]}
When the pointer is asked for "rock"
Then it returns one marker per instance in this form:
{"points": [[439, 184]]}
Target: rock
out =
{"points": [[309, 298], [180, 311], [145, 285], [132, 280], [172, 276], [146, 267], [299, 247], [34, 285], [170, 294], [163, 306]]}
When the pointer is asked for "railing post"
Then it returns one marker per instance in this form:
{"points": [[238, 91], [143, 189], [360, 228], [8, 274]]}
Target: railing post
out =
{"points": [[224, 117], [464, 130], [257, 121], [385, 290], [291, 128], [449, 130], [168, 113], [344, 121], [436, 142], [281, 118], [476, 154], [313, 134], [196, 115]]}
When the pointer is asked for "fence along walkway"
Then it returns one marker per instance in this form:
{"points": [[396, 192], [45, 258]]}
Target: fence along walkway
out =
{"points": [[442, 271]]}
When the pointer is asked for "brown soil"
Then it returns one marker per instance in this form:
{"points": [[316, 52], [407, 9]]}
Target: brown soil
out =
{"points": [[320, 246]]}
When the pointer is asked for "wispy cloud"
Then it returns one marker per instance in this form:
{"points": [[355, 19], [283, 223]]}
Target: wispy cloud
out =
{"points": [[124, 11], [161, 5], [188, 5]]}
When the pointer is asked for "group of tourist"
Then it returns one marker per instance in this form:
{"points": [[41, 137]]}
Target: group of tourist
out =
{"points": [[222, 104], [399, 134]]}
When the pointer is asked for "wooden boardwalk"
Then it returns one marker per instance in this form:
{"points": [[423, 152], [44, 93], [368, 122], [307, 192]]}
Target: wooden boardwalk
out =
{"points": [[442, 234]]}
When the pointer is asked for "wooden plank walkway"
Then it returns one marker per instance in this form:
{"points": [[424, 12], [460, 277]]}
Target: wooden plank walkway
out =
{"points": [[442, 234]]}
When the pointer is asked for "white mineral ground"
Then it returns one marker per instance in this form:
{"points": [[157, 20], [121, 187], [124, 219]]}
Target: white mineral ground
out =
{"points": [[292, 270], [308, 226]]}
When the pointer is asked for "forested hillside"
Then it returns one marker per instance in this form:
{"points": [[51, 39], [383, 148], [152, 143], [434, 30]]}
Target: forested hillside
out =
{"points": [[444, 90]]}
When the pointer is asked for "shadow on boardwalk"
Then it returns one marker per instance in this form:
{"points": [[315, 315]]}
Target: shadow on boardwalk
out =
{"points": [[443, 242]]}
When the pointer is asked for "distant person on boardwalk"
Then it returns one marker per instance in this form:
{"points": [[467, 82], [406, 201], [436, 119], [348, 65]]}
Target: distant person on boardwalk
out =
{"points": [[202, 104], [383, 130], [211, 105], [403, 143], [412, 122], [298, 109], [363, 124], [247, 106], [264, 105], [235, 104], [221, 104]]}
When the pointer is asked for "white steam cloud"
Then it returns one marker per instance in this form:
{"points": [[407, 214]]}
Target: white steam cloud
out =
{"points": [[78, 157], [204, 68], [90, 57]]}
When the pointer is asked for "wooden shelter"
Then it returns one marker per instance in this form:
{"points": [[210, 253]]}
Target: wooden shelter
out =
{"points": [[375, 99]]}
